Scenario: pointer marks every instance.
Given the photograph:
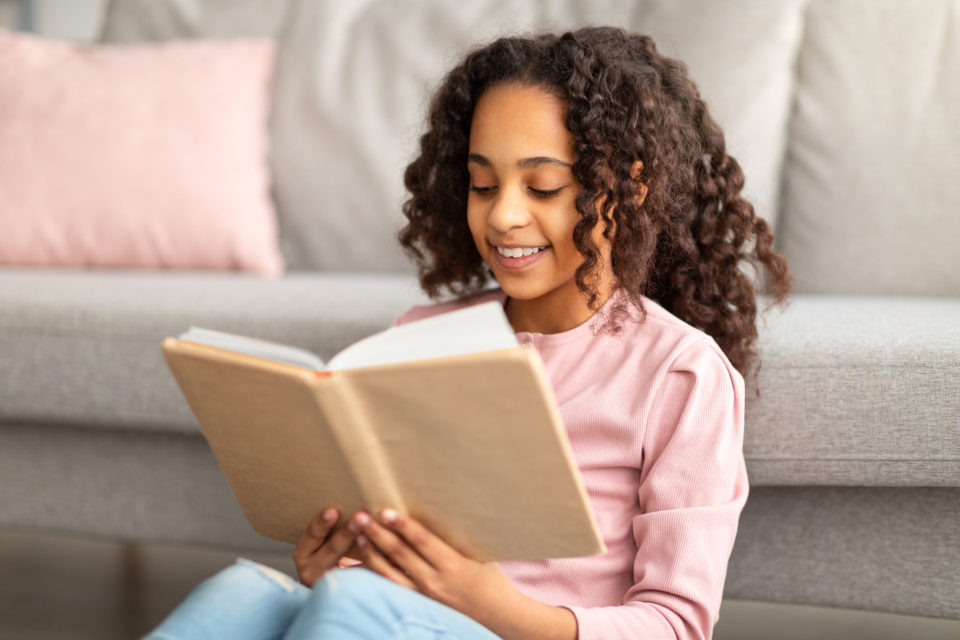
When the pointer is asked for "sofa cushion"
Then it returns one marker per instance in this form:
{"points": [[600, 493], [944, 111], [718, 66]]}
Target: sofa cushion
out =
{"points": [[87, 349], [857, 391], [352, 88], [120, 485], [137, 20], [137, 156], [871, 190], [891, 549], [87, 344]]}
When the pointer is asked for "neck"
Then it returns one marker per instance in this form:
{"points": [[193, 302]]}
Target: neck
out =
{"points": [[553, 313]]}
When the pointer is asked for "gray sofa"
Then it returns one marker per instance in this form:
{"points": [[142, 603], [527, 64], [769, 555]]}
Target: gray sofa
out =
{"points": [[846, 117]]}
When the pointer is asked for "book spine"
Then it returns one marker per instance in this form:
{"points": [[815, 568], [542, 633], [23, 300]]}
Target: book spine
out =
{"points": [[361, 447]]}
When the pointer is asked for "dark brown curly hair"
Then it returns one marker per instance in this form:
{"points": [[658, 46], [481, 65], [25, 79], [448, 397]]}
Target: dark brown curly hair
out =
{"points": [[685, 244]]}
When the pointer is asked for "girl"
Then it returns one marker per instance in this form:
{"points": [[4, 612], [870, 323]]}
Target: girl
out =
{"points": [[583, 173]]}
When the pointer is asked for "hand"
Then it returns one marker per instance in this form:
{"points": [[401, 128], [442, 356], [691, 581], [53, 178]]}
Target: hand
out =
{"points": [[318, 550], [404, 551]]}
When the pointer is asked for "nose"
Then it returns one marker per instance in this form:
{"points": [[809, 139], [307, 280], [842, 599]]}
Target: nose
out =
{"points": [[508, 211]]}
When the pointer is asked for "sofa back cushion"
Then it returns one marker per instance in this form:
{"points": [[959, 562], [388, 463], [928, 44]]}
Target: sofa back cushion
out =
{"points": [[871, 189], [353, 81]]}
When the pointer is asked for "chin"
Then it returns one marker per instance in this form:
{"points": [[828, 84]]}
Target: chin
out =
{"points": [[520, 290]]}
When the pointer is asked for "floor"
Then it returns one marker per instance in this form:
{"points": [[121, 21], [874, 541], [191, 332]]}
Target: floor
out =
{"points": [[56, 587]]}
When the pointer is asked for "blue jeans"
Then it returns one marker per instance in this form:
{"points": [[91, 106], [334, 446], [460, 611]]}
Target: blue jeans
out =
{"points": [[249, 601]]}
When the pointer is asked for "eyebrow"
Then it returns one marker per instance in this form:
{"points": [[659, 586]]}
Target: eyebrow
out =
{"points": [[525, 163]]}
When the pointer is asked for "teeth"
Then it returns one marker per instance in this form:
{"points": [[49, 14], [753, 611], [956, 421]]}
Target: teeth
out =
{"points": [[517, 252]]}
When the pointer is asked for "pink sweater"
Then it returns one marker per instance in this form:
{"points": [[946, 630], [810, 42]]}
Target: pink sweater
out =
{"points": [[655, 421]]}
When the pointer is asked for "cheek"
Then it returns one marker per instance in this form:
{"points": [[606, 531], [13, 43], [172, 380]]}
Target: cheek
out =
{"points": [[477, 224], [561, 226]]}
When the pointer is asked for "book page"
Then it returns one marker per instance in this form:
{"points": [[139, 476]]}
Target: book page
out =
{"points": [[254, 347], [482, 327]]}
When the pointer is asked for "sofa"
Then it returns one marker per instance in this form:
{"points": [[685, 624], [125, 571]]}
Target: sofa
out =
{"points": [[845, 115]]}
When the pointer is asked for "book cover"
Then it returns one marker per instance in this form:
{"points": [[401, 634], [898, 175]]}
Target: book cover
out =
{"points": [[471, 444]]}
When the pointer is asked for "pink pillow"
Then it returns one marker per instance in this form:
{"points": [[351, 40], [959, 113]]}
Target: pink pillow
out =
{"points": [[150, 155]]}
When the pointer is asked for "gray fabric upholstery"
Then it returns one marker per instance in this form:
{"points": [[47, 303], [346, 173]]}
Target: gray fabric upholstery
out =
{"points": [[87, 344], [119, 484], [884, 549], [352, 78], [857, 391], [142, 20], [870, 181], [89, 352], [888, 549]]}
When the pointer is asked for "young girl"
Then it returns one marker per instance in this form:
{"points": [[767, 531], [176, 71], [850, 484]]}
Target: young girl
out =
{"points": [[583, 173]]}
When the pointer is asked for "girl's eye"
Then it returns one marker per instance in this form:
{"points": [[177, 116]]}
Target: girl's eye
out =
{"points": [[482, 190], [545, 193]]}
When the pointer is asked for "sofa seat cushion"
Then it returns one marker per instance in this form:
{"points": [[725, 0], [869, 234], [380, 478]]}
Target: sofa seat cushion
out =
{"points": [[87, 348], [857, 391], [87, 343]]}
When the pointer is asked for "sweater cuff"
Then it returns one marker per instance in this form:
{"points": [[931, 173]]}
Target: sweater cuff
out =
{"points": [[621, 623]]}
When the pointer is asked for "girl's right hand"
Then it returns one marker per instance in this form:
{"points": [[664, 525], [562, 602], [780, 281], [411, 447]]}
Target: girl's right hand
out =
{"points": [[317, 551]]}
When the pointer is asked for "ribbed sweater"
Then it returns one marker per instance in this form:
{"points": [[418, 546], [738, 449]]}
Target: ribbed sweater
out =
{"points": [[654, 416]]}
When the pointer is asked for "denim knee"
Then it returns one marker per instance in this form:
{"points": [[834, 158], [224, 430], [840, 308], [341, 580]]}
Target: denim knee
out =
{"points": [[355, 604], [355, 599], [245, 600]]}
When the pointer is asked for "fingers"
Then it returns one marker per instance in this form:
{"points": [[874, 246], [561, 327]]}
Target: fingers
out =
{"points": [[376, 561], [315, 534], [393, 546], [432, 549], [318, 550], [399, 548], [341, 541]]}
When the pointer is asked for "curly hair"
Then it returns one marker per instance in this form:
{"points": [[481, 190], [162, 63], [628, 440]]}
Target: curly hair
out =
{"points": [[692, 243]]}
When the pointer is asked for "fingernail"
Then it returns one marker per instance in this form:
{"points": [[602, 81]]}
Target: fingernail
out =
{"points": [[389, 516], [361, 541], [330, 515], [359, 521]]}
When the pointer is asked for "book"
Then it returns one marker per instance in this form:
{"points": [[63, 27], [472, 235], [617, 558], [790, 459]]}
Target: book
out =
{"points": [[447, 419]]}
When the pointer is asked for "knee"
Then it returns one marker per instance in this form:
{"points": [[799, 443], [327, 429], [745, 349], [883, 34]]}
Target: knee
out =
{"points": [[352, 585], [244, 600], [263, 572], [246, 576], [350, 603]]}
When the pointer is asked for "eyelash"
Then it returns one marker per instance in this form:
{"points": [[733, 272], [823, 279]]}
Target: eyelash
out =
{"points": [[539, 193]]}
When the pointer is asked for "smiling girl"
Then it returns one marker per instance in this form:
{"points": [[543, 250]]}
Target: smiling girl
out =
{"points": [[583, 174]]}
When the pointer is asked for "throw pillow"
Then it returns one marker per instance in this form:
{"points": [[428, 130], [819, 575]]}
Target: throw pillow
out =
{"points": [[149, 156]]}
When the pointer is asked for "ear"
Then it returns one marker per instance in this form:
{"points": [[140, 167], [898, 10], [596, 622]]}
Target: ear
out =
{"points": [[636, 170]]}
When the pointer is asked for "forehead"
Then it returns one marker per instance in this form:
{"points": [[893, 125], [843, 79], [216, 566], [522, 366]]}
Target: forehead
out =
{"points": [[514, 121]]}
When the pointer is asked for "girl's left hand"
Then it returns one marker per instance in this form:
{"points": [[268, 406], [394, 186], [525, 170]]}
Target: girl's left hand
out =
{"points": [[402, 550]]}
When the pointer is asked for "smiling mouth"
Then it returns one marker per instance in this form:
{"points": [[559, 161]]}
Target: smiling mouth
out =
{"points": [[518, 258], [519, 252]]}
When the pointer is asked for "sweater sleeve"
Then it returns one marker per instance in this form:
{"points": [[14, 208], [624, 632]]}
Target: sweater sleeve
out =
{"points": [[692, 488]]}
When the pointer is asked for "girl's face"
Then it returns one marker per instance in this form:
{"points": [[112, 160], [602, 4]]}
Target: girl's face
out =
{"points": [[520, 208]]}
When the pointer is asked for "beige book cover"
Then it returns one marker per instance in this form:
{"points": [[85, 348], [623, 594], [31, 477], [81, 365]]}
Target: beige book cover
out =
{"points": [[470, 444]]}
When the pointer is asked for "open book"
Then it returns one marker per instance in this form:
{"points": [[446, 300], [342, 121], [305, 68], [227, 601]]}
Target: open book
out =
{"points": [[448, 419]]}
